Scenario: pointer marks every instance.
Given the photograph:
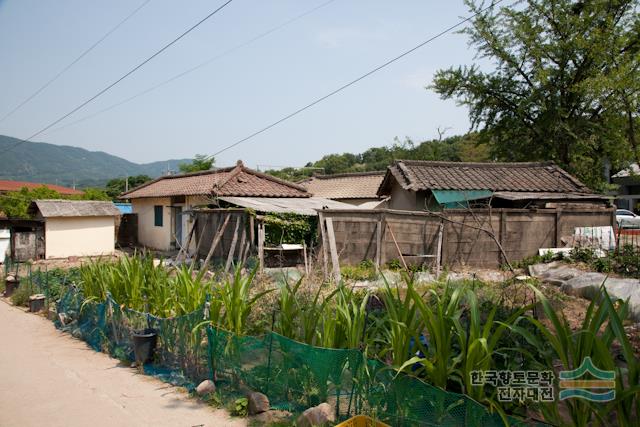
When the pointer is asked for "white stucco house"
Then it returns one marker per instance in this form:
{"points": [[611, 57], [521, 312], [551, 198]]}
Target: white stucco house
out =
{"points": [[76, 227], [161, 205]]}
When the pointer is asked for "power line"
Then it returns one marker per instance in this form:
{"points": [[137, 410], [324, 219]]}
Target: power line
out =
{"points": [[133, 70], [65, 69], [197, 67], [352, 82]]}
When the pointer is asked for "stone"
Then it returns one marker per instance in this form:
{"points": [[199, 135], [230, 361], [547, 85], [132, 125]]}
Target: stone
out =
{"points": [[76, 333], [64, 319], [205, 387], [317, 416], [257, 403]]}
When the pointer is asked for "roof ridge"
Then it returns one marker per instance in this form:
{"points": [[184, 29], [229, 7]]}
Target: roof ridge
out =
{"points": [[348, 174], [441, 163]]}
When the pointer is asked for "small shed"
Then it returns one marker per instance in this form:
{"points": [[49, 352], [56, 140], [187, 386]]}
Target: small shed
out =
{"points": [[76, 227]]}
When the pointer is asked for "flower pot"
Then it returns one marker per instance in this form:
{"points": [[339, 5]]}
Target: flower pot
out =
{"points": [[36, 303], [11, 285], [144, 344]]}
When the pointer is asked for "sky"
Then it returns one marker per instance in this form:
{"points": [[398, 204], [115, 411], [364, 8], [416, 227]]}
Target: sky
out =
{"points": [[239, 92]]}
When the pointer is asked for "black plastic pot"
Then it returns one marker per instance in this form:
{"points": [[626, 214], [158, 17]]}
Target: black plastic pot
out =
{"points": [[144, 344], [10, 286]]}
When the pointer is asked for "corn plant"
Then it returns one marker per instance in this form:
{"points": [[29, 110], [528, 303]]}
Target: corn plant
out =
{"points": [[236, 300], [351, 315], [400, 325], [602, 326]]}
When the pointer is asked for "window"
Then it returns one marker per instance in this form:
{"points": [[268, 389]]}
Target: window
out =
{"points": [[157, 216]]}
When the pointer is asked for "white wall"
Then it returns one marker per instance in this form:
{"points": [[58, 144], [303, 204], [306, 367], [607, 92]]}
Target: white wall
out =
{"points": [[79, 236], [148, 234]]}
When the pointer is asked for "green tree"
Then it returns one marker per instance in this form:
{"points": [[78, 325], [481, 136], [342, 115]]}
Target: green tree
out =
{"points": [[92, 193], [201, 162], [564, 85], [117, 186], [15, 204]]}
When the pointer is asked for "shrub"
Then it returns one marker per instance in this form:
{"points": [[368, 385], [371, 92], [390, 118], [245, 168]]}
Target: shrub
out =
{"points": [[21, 295], [366, 270]]}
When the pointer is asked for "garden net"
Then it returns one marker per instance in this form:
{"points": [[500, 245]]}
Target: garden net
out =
{"points": [[181, 356], [294, 376]]}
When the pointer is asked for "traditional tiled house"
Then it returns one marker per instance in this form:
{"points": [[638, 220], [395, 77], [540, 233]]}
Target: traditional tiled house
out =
{"points": [[430, 185], [160, 203]]}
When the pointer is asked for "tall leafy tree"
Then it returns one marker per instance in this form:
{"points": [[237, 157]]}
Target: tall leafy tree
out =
{"points": [[201, 162], [563, 83], [116, 186]]}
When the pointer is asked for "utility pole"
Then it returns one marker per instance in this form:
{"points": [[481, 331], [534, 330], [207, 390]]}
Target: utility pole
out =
{"points": [[126, 184]]}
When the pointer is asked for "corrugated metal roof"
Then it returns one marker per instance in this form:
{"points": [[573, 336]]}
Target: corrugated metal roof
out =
{"points": [[301, 206], [73, 208]]}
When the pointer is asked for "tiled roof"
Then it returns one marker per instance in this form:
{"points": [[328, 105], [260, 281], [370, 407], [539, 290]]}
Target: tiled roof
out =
{"points": [[73, 208], [237, 181], [18, 185], [362, 185], [533, 177]]}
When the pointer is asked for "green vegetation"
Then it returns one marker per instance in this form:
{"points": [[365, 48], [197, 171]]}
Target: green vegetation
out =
{"points": [[366, 270], [563, 86], [135, 282], [117, 186], [455, 148], [15, 204], [290, 228], [440, 333], [201, 162]]}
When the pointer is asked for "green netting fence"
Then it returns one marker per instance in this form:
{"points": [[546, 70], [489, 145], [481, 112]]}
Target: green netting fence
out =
{"points": [[181, 356], [296, 376], [293, 375]]}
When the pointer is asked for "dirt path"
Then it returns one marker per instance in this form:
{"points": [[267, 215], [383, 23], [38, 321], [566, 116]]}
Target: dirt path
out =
{"points": [[48, 378]]}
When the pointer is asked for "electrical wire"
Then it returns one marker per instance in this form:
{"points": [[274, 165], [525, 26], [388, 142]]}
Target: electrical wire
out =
{"points": [[197, 67], [133, 70], [352, 82], [74, 62]]}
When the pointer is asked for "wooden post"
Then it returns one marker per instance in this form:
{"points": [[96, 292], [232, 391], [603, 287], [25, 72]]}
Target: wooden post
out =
{"points": [[334, 251], [378, 243], [325, 244], [185, 250], [439, 249], [201, 238], [261, 244], [558, 240], [395, 242], [243, 239], [503, 233], [252, 235], [232, 248], [304, 253], [216, 239]]}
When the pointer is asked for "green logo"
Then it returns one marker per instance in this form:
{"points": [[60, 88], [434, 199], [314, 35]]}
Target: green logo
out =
{"points": [[572, 386]]}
